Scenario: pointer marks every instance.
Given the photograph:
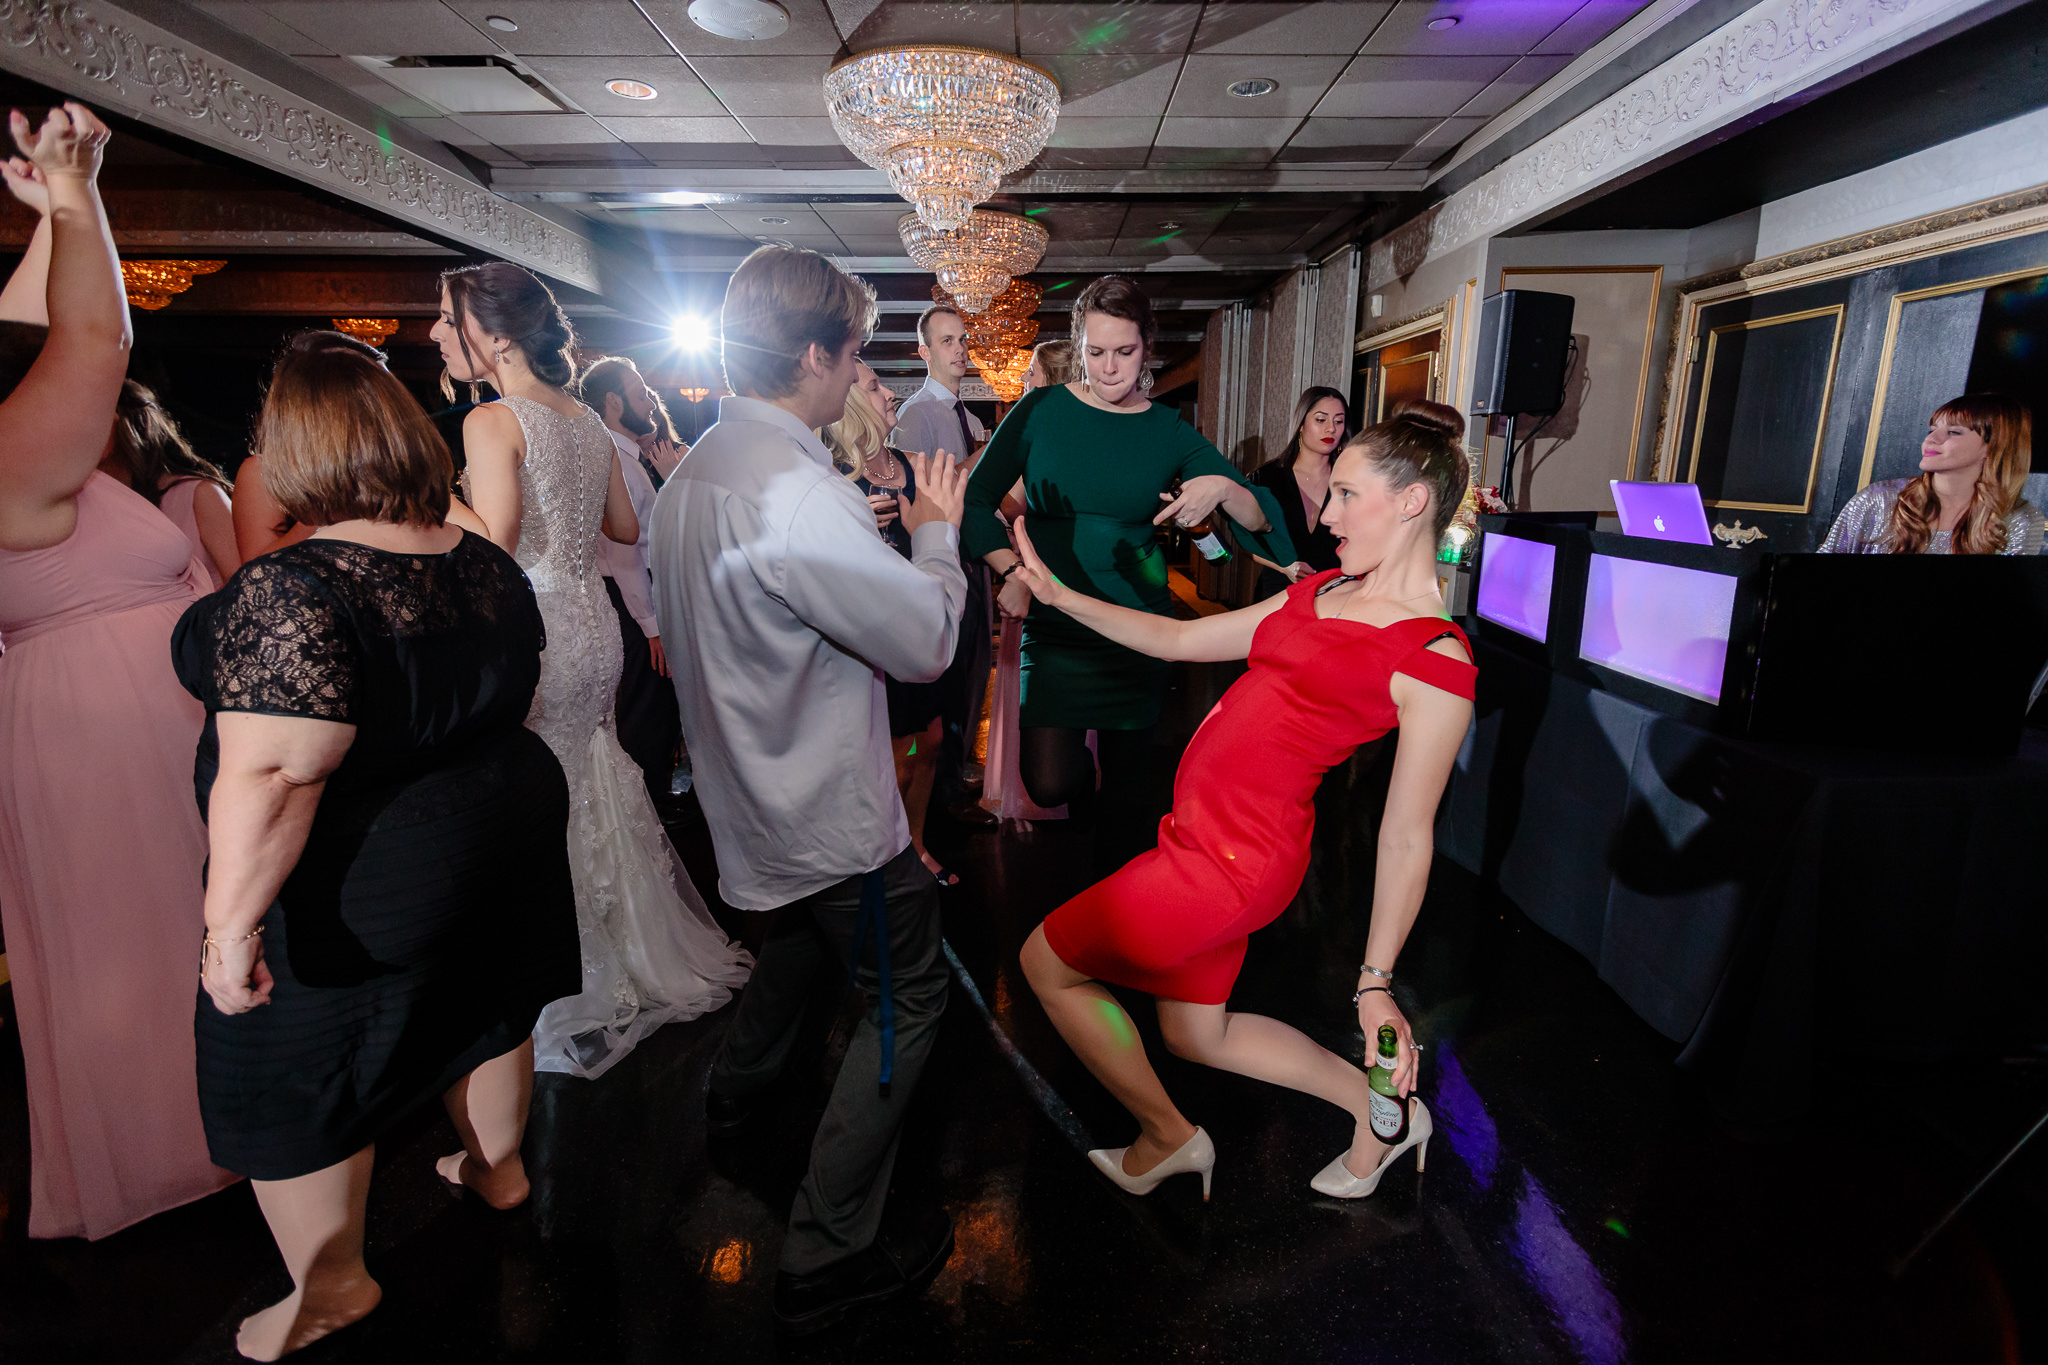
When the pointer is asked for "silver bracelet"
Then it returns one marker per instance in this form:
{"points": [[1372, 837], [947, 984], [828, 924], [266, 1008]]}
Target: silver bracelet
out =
{"points": [[1371, 970]]}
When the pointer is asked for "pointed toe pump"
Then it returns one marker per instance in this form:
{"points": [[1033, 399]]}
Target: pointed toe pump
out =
{"points": [[1197, 1156], [1336, 1179]]}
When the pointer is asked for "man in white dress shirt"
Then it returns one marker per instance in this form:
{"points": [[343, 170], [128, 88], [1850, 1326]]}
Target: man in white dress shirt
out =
{"points": [[935, 419], [783, 609], [649, 726]]}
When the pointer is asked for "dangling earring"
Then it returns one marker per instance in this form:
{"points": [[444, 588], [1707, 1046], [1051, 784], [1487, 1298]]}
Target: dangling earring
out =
{"points": [[498, 356], [1145, 381]]}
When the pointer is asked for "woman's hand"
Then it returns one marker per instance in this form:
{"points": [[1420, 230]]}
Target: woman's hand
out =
{"points": [[1031, 573], [1299, 570], [1376, 1008], [1014, 600], [1199, 497], [883, 505], [25, 182], [68, 144], [236, 976]]}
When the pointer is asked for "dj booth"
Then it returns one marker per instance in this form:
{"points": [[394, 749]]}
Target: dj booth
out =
{"points": [[1785, 804]]}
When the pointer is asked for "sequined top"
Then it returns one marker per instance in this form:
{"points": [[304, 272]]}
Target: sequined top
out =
{"points": [[1860, 527]]}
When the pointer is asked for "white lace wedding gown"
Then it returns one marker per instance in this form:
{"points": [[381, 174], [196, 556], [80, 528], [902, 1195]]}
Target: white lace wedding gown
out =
{"points": [[652, 954]]}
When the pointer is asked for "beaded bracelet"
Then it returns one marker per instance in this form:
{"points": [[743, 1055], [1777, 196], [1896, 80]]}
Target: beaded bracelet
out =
{"points": [[1364, 991], [211, 942]]}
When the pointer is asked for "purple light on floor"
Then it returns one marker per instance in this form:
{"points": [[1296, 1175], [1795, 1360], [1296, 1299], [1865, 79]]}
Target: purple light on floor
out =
{"points": [[1462, 1118], [1566, 1278]]}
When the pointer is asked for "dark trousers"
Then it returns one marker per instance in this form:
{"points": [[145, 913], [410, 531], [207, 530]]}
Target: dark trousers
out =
{"points": [[966, 688], [838, 1207], [650, 727]]}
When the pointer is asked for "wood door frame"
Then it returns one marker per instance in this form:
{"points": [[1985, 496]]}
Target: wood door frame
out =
{"points": [[1440, 319]]}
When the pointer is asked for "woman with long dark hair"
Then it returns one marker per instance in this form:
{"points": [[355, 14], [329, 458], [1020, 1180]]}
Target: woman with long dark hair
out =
{"points": [[1965, 500], [149, 454], [544, 477], [1299, 479]]}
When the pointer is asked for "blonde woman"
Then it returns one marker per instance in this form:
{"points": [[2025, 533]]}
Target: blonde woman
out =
{"points": [[1966, 499], [859, 443]]}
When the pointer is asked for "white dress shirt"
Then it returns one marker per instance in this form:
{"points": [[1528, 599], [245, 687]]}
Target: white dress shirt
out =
{"points": [[626, 565], [928, 423], [781, 609]]}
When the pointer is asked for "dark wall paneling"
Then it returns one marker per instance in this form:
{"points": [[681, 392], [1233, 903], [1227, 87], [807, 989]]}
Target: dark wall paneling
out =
{"points": [[1765, 390], [2011, 356], [1930, 364]]}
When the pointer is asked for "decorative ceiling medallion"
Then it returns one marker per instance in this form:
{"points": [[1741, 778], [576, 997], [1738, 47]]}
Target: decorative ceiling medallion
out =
{"points": [[370, 331], [946, 123], [153, 284], [976, 261]]}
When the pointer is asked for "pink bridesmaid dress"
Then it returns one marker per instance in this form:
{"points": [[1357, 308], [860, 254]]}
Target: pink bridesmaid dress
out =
{"points": [[101, 848], [176, 504]]}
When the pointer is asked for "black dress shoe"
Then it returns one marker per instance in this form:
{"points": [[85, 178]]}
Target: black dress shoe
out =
{"points": [[970, 812], [899, 1263], [727, 1114]]}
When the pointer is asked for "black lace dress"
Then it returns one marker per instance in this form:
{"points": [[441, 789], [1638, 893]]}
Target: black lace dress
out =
{"points": [[430, 916]]}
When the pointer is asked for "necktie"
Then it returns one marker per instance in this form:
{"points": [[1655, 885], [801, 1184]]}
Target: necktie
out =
{"points": [[966, 431]]}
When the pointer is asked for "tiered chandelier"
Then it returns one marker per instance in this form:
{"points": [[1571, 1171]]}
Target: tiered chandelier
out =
{"points": [[976, 261], [151, 285], [946, 123], [999, 337], [373, 331]]}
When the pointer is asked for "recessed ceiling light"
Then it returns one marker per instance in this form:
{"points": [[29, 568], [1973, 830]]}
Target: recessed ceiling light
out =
{"points": [[778, 222], [502, 24], [1168, 227], [631, 90], [1447, 22], [746, 20], [1253, 88]]}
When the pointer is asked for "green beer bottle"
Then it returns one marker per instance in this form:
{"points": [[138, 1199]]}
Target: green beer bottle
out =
{"points": [[1389, 1110]]}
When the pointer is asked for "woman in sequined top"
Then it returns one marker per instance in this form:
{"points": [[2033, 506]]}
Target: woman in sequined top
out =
{"points": [[1966, 499]]}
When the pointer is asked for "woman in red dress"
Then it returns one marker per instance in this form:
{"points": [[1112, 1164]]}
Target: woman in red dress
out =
{"points": [[1338, 660]]}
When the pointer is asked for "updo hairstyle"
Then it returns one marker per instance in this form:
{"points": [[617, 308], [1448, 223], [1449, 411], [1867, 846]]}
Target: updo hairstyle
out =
{"points": [[1425, 447], [1113, 296], [511, 302]]}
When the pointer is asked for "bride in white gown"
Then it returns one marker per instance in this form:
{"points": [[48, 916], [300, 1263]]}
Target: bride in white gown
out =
{"points": [[542, 475]]}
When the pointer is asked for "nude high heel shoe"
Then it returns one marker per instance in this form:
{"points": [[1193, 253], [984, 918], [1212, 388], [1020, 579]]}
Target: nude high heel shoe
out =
{"points": [[1197, 1156], [1336, 1179]]}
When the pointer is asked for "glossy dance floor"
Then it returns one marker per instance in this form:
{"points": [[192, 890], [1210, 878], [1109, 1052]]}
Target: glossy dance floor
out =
{"points": [[1582, 1204]]}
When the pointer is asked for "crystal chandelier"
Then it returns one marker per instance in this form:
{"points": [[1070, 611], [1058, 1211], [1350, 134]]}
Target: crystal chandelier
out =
{"points": [[946, 123], [1003, 370], [1020, 300], [974, 262], [371, 331], [153, 284]]}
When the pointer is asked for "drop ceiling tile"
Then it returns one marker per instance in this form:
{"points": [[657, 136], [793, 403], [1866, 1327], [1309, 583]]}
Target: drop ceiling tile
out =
{"points": [[1094, 158], [383, 28], [986, 24], [811, 30], [254, 22], [1516, 82], [797, 219], [1104, 132], [578, 154], [1409, 87], [489, 89], [368, 85], [551, 129], [1112, 86], [678, 92], [1203, 91], [1495, 27], [1191, 143], [1343, 133], [1333, 26], [862, 220], [1075, 30], [1069, 219], [1447, 135], [791, 132], [786, 87], [673, 130], [1067, 249], [1588, 26], [872, 246], [455, 135], [594, 28], [706, 155]]}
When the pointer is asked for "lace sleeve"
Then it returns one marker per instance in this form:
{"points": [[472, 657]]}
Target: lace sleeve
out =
{"points": [[282, 646]]}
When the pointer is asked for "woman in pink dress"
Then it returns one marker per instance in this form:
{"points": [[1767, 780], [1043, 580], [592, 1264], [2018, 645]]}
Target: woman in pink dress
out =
{"points": [[150, 455], [100, 844]]}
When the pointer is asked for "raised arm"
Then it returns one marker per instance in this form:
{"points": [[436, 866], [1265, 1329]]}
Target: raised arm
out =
{"points": [[27, 295], [54, 425], [494, 444], [1432, 727], [1211, 639]]}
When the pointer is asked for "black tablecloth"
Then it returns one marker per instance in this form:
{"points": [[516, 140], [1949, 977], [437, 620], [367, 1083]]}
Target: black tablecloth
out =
{"points": [[1762, 904]]}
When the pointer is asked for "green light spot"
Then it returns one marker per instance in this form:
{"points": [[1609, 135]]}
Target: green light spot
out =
{"points": [[1053, 289], [913, 750], [1118, 1023], [1162, 241], [1615, 1226], [1033, 213]]}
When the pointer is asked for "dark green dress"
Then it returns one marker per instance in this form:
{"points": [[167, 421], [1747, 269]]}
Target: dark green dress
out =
{"points": [[1092, 481]]}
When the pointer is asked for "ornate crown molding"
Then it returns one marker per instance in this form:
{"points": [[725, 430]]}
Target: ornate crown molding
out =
{"points": [[1760, 56], [112, 59]]}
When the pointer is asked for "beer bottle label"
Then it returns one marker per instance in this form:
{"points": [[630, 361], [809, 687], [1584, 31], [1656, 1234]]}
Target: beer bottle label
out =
{"points": [[1210, 546], [1388, 1114]]}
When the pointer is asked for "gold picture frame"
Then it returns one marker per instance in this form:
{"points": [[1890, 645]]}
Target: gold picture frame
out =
{"points": [[1827, 398]]}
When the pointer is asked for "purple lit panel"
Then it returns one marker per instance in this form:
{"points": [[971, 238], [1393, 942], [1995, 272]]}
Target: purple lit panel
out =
{"points": [[1514, 584], [1659, 622]]}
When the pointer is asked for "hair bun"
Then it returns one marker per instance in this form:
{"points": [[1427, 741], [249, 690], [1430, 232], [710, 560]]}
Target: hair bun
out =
{"points": [[1440, 417]]}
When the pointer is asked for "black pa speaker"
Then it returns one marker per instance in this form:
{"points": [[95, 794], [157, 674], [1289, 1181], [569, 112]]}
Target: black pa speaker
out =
{"points": [[1524, 337]]}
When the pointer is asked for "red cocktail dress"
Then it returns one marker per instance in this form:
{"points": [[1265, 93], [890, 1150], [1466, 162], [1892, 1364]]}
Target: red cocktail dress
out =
{"points": [[1232, 853]]}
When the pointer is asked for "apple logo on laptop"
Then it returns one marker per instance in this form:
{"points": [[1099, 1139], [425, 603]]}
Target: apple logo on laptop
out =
{"points": [[1658, 522]]}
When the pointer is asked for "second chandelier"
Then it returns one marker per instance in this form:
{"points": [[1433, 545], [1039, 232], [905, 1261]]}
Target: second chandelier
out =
{"points": [[975, 262]]}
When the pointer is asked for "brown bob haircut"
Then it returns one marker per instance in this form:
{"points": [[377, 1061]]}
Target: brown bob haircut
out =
{"points": [[341, 439], [782, 301]]}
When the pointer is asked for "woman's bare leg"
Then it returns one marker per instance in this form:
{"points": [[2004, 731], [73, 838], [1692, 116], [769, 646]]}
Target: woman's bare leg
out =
{"points": [[917, 792], [488, 1108], [317, 1220], [1107, 1042], [1268, 1050]]}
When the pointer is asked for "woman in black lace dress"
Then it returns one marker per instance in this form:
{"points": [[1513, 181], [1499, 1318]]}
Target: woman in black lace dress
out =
{"points": [[388, 905]]}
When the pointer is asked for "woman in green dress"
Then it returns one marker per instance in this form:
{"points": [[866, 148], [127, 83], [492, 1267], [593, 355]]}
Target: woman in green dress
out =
{"points": [[1097, 460]]}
